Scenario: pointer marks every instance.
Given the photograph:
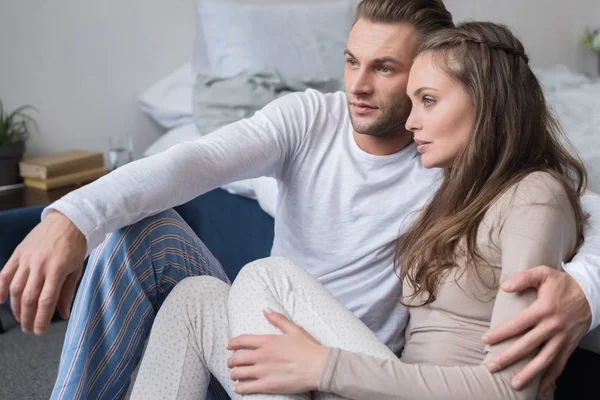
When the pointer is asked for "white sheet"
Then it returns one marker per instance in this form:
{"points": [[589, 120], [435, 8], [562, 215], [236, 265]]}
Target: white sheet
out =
{"points": [[575, 100], [169, 101]]}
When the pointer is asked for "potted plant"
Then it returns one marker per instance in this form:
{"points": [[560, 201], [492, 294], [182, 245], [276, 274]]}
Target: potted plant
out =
{"points": [[14, 131], [591, 39]]}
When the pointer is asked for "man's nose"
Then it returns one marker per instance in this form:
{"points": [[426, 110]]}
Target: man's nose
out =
{"points": [[361, 84]]}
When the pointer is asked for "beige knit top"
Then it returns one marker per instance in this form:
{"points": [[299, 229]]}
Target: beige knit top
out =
{"points": [[532, 224]]}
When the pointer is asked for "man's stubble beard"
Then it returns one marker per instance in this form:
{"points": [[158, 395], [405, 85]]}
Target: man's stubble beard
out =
{"points": [[391, 122]]}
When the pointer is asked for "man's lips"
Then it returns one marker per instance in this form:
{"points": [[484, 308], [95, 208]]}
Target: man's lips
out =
{"points": [[362, 108]]}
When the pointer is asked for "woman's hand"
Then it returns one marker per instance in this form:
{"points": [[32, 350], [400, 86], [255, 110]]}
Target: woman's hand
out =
{"points": [[277, 364]]}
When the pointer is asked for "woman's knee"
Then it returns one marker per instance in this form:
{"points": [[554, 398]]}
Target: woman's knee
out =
{"points": [[268, 267], [271, 273], [198, 289]]}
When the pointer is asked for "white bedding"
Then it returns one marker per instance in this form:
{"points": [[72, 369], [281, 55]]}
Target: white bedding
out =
{"points": [[575, 100]]}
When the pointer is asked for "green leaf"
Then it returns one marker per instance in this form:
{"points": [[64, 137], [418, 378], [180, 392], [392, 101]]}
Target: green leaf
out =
{"points": [[15, 127]]}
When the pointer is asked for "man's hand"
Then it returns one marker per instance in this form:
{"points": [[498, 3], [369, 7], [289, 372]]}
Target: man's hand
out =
{"points": [[277, 364], [43, 272], [558, 319]]}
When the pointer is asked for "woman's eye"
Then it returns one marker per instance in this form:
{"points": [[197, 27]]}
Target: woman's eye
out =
{"points": [[427, 102]]}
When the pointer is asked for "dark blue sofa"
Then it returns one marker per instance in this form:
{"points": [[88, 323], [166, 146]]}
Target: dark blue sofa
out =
{"points": [[238, 231]]}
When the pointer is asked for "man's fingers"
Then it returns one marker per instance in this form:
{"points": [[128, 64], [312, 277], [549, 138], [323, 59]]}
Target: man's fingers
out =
{"points": [[555, 369], [515, 325], [540, 362], [65, 300], [17, 287], [29, 300], [248, 342], [6, 276], [532, 278], [521, 348], [47, 303]]}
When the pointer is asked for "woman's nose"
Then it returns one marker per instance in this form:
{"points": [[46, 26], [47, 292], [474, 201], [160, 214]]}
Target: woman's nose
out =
{"points": [[411, 123]]}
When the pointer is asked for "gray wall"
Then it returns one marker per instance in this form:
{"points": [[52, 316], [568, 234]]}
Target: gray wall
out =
{"points": [[550, 29], [83, 63]]}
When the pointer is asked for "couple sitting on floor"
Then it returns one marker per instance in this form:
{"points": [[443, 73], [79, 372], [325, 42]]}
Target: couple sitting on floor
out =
{"points": [[415, 212]]}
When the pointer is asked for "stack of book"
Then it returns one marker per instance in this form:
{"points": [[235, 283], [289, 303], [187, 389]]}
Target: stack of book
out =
{"points": [[73, 168]]}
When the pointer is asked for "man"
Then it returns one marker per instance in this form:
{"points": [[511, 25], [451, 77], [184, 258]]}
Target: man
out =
{"points": [[349, 181]]}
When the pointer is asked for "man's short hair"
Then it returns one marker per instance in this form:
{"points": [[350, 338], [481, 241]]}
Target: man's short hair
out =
{"points": [[426, 16]]}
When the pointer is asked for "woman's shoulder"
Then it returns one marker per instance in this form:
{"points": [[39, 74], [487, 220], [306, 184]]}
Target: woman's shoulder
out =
{"points": [[536, 188], [534, 195]]}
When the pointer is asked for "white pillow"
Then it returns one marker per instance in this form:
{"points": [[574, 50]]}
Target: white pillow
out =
{"points": [[262, 189], [169, 101], [303, 40], [184, 133]]}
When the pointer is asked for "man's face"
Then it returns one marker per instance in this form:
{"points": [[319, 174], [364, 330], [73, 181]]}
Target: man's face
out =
{"points": [[378, 61]]}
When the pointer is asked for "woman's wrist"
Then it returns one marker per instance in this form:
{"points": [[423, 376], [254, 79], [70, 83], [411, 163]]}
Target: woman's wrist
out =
{"points": [[319, 365]]}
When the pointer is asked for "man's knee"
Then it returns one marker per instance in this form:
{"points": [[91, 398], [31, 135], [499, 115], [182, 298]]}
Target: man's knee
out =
{"points": [[127, 235], [169, 216]]}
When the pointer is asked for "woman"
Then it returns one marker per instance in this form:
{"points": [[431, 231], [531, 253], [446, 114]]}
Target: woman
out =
{"points": [[479, 113]]}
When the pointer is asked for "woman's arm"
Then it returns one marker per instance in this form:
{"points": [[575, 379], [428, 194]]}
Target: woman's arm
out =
{"points": [[536, 226]]}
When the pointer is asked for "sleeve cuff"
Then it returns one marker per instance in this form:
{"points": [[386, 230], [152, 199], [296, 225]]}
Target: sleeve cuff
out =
{"points": [[328, 374], [586, 284], [93, 236]]}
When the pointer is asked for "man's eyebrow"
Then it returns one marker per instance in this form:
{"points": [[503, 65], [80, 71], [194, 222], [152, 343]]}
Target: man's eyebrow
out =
{"points": [[422, 89], [382, 60]]}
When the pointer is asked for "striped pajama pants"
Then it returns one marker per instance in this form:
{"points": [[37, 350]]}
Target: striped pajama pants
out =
{"points": [[126, 280]]}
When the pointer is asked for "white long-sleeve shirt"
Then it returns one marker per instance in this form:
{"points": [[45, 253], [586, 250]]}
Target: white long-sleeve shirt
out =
{"points": [[339, 210]]}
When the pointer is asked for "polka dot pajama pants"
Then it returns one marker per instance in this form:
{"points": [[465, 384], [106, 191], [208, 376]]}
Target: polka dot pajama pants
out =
{"points": [[190, 334]]}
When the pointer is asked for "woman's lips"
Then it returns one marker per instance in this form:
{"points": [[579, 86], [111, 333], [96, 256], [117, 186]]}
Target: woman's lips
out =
{"points": [[422, 145]]}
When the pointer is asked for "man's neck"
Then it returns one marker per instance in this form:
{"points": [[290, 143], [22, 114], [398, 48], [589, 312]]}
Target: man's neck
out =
{"points": [[384, 145]]}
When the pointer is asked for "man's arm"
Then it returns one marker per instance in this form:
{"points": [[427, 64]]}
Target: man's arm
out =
{"points": [[44, 269], [567, 307], [585, 266]]}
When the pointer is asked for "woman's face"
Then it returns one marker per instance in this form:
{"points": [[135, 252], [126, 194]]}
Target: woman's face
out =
{"points": [[442, 116]]}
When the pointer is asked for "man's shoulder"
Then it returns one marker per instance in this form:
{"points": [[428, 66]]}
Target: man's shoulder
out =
{"points": [[309, 103], [320, 101]]}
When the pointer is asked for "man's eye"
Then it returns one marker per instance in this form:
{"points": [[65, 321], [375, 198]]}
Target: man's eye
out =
{"points": [[385, 70], [351, 62]]}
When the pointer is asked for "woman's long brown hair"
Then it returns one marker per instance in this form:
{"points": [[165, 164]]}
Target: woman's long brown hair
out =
{"points": [[514, 134]]}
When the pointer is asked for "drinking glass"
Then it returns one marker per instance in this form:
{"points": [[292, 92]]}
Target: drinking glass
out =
{"points": [[120, 150]]}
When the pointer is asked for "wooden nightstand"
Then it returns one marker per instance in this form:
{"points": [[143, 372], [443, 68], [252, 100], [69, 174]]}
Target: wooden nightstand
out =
{"points": [[26, 197]]}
